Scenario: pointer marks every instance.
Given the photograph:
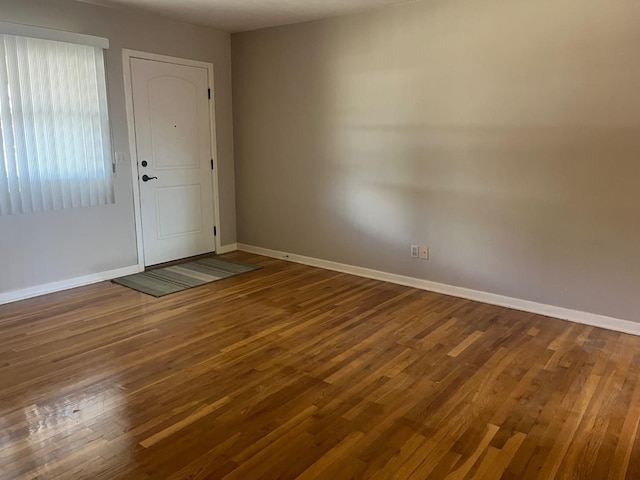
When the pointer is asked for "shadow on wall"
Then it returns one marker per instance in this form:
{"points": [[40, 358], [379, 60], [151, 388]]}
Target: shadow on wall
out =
{"points": [[497, 208], [529, 183], [503, 135]]}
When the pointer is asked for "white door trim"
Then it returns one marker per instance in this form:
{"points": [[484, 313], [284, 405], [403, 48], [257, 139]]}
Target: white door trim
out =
{"points": [[127, 55]]}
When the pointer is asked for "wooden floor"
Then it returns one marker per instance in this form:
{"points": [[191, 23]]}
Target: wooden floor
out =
{"points": [[297, 372]]}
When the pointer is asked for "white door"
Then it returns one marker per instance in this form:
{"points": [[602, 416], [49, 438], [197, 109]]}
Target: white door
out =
{"points": [[173, 141]]}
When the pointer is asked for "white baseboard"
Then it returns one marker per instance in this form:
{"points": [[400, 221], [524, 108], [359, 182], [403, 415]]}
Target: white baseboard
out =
{"points": [[15, 295], [577, 316], [232, 247]]}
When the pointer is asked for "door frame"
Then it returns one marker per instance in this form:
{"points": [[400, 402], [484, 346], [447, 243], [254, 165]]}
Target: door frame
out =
{"points": [[127, 55]]}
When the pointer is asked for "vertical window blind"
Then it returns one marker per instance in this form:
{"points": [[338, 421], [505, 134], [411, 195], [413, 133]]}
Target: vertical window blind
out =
{"points": [[55, 146]]}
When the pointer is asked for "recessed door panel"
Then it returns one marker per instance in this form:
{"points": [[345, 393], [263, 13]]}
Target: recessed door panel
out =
{"points": [[179, 211], [174, 128]]}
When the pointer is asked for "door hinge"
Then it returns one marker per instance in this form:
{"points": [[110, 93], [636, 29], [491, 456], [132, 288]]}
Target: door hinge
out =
{"points": [[209, 93], [212, 164], [215, 231]]}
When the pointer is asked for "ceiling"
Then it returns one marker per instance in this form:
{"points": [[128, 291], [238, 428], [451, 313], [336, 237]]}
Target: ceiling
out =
{"points": [[243, 15]]}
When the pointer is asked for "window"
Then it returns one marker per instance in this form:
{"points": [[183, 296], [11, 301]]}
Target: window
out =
{"points": [[55, 150]]}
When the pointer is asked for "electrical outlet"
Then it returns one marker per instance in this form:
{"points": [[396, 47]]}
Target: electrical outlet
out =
{"points": [[121, 158], [424, 252], [414, 251]]}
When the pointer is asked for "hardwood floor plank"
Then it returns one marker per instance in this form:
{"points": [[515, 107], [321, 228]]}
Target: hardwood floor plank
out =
{"points": [[462, 346], [298, 372], [195, 416]]}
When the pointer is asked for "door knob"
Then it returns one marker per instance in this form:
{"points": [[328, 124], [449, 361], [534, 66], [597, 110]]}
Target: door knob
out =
{"points": [[146, 178]]}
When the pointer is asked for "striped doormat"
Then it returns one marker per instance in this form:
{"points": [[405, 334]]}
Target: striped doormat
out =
{"points": [[163, 281]]}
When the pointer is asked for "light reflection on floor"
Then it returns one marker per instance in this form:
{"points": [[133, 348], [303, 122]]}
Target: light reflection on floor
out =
{"points": [[61, 428]]}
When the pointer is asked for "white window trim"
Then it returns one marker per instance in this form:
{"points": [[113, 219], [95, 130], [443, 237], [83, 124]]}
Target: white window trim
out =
{"points": [[55, 35]]}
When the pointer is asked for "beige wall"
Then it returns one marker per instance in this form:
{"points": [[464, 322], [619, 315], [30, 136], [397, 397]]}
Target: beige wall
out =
{"points": [[505, 135], [45, 247]]}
